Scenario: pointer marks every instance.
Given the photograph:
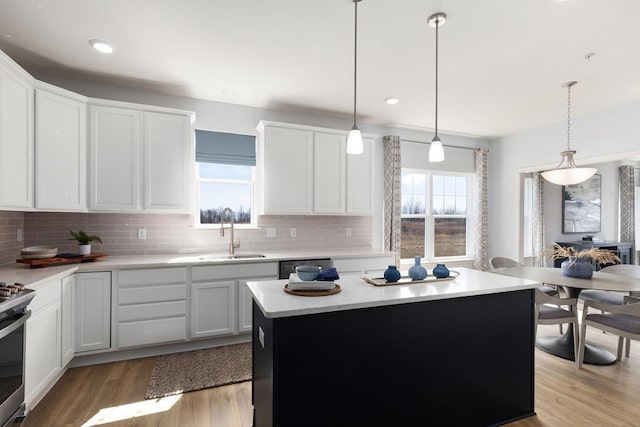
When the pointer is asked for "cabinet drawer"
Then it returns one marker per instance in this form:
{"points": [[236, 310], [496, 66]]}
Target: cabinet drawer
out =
{"points": [[234, 271], [46, 294], [147, 294], [146, 332], [155, 310], [157, 276]]}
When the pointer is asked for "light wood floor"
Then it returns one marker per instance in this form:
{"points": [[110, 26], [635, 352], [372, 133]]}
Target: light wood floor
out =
{"points": [[595, 396]]}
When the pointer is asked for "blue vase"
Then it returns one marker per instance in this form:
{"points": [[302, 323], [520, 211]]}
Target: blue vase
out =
{"points": [[580, 268], [441, 271], [417, 272], [391, 274]]}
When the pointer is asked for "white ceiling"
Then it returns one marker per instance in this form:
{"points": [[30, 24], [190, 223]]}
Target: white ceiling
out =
{"points": [[502, 62]]}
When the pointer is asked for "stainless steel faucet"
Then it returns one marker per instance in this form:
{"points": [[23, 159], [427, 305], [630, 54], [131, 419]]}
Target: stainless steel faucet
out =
{"points": [[232, 244]]}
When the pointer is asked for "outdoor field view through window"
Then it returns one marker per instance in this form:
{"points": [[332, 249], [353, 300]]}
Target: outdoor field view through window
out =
{"points": [[446, 200], [221, 186]]}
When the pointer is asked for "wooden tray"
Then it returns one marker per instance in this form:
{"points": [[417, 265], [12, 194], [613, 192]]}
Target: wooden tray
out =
{"points": [[310, 293], [51, 262], [406, 280]]}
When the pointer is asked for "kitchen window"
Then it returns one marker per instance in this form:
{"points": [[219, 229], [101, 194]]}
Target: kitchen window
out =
{"points": [[225, 165], [435, 215]]}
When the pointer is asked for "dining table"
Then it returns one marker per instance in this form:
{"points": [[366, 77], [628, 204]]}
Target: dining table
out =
{"points": [[563, 346]]}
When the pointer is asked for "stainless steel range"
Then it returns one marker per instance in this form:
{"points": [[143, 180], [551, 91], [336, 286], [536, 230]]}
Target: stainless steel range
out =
{"points": [[14, 300]]}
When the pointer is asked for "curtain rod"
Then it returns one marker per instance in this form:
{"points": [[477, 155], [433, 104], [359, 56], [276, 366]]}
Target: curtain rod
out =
{"points": [[444, 145]]}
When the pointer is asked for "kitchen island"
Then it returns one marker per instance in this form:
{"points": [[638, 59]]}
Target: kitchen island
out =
{"points": [[456, 352]]}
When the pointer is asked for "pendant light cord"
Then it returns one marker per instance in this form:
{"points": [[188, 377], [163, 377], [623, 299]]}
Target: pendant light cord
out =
{"points": [[569, 118], [355, 61], [437, 26]]}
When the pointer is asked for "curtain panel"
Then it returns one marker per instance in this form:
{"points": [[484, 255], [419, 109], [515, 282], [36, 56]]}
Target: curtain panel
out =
{"points": [[627, 205], [481, 211], [538, 220], [392, 207]]}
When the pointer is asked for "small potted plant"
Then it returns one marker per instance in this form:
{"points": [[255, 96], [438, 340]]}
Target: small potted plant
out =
{"points": [[578, 263], [84, 241]]}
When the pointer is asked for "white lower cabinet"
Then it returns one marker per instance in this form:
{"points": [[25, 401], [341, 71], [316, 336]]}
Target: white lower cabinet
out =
{"points": [[213, 309], [92, 311], [220, 300], [43, 342], [372, 266], [67, 303], [152, 306]]}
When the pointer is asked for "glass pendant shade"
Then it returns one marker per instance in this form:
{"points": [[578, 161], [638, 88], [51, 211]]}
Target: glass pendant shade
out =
{"points": [[436, 152], [354, 141], [567, 173]]}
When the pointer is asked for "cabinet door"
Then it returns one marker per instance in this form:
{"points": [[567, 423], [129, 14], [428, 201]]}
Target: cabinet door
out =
{"points": [[329, 173], [60, 152], [245, 303], [68, 289], [288, 171], [92, 311], [42, 352], [212, 309], [114, 171], [360, 178], [169, 162], [16, 141]]}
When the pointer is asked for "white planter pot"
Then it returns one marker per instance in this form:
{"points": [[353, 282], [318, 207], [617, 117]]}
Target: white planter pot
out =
{"points": [[84, 249]]}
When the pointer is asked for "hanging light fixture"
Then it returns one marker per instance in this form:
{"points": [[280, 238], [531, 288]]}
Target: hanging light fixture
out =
{"points": [[567, 173], [436, 152], [354, 141]]}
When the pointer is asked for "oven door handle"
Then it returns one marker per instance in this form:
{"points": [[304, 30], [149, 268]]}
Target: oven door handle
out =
{"points": [[15, 325]]}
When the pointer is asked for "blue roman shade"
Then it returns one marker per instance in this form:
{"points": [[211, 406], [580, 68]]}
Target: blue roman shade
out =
{"points": [[227, 148]]}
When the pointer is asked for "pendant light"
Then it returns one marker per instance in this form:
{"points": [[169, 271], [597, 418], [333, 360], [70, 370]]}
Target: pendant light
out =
{"points": [[436, 152], [354, 141], [567, 173]]}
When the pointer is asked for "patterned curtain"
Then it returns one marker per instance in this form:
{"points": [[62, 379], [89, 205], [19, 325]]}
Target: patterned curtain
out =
{"points": [[538, 220], [627, 205], [392, 207], [481, 245]]}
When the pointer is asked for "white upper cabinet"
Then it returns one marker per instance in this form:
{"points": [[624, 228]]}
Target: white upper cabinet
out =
{"points": [[114, 159], [169, 160], [138, 158], [285, 162], [360, 178], [60, 151], [329, 168], [16, 137], [305, 170]]}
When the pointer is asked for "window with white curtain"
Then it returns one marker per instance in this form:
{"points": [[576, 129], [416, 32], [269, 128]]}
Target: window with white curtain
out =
{"points": [[528, 249]]}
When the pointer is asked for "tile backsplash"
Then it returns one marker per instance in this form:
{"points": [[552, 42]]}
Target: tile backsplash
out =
{"points": [[173, 233]]}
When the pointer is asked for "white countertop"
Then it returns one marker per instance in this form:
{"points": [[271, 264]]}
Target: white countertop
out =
{"points": [[31, 277], [356, 293]]}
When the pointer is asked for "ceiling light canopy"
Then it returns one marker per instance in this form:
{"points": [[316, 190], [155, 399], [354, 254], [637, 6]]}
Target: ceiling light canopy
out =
{"points": [[354, 141], [392, 100], [101, 46], [436, 151], [567, 173]]}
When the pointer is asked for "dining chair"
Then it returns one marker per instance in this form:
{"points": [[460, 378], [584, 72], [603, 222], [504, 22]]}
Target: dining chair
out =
{"points": [[549, 311], [611, 297], [621, 320], [503, 262]]}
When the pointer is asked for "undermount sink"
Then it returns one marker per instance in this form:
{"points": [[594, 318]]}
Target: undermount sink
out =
{"points": [[217, 257]]}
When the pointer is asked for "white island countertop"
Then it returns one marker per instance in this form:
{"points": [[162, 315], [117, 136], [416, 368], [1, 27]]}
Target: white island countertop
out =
{"points": [[356, 293]]}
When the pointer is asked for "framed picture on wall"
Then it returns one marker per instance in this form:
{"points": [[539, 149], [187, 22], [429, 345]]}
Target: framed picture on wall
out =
{"points": [[581, 206]]}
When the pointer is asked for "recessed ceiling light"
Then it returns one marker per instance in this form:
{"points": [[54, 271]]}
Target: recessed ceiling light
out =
{"points": [[392, 100], [230, 92], [101, 46], [9, 36]]}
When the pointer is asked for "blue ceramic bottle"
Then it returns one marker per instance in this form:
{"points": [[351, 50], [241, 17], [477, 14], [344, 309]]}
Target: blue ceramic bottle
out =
{"points": [[440, 271], [417, 272], [391, 274]]}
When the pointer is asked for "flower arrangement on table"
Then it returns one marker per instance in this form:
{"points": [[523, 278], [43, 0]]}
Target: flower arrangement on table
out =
{"points": [[578, 263]]}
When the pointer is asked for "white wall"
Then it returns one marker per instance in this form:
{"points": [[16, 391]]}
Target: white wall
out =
{"points": [[598, 138]]}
